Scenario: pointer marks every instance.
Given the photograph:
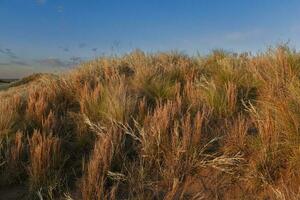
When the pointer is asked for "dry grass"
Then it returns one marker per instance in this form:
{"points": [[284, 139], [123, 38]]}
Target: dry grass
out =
{"points": [[46, 162], [157, 126]]}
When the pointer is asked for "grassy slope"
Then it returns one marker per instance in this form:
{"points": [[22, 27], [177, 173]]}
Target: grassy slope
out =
{"points": [[162, 126], [3, 86], [4, 83]]}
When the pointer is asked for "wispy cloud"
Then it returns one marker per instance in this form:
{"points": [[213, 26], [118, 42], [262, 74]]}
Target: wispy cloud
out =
{"points": [[40, 2], [65, 49], [53, 62], [4, 64], [239, 40], [60, 9], [14, 63], [9, 53], [59, 63], [243, 35], [19, 62], [82, 45]]}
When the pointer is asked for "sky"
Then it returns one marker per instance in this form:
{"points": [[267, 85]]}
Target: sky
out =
{"points": [[54, 35]]}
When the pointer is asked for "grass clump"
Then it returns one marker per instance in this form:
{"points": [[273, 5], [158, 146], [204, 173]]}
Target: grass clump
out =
{"points": [[46, 162]]}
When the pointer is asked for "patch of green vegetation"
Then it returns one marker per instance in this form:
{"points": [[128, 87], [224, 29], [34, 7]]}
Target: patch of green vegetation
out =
{"points": [[5, 83], [3, 86]]}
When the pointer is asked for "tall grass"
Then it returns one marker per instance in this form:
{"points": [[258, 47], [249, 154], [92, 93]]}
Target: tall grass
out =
{"points": [[157, 126]]}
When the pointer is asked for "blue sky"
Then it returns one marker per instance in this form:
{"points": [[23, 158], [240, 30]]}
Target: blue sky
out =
{"points": [[52, 35]]}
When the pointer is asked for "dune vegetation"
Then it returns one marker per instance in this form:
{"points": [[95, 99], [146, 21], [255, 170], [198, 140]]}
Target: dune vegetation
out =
{"points": [[157, 126], [4, 84]]}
